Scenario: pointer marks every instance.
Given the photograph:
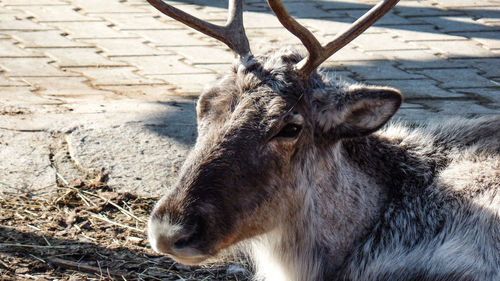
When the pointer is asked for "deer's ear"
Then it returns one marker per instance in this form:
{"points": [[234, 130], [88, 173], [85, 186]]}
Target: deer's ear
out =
{"points": [[356, 111]]}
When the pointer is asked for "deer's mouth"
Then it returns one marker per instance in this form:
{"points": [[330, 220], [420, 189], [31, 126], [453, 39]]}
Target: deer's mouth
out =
{"points": [[192, 249], [188, 255]]}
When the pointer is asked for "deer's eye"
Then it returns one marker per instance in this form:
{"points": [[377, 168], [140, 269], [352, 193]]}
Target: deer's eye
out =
{"points": [[289, 131]]}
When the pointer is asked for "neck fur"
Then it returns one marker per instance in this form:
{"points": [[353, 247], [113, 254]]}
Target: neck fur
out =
{"points": [[337, 205]]}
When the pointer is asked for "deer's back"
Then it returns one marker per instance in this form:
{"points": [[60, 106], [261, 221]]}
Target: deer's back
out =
{"points": [[448, 229]]}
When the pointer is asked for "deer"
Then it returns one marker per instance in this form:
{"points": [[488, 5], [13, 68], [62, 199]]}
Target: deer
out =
{"points": [[311, 181]]}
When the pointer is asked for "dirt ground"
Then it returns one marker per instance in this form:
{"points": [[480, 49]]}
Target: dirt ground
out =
{"points": [[83, 230]]}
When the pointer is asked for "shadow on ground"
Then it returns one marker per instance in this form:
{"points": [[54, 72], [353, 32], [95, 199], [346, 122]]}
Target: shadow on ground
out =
{"points": [[178, 124], [348, 12]]}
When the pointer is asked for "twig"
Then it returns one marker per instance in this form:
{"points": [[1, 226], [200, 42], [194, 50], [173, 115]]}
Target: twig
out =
{"points": [[4, 264], [47, 241], [83, 267], [37, 258], [84, 199], [31, 213], [31, 246], [150, 276], [127, 213], [103, 218], [66, 183], [6, 185], [34, 227]]}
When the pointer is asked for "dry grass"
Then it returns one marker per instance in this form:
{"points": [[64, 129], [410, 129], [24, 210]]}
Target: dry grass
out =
{"points": [[84, 230]]}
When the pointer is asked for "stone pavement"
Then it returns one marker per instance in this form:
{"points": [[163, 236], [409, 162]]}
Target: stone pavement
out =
{"points": [[91, 85]]}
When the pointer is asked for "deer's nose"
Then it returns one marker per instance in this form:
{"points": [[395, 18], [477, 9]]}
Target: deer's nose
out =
{"points": [[169, 244], [162, 234], [169, 238]]}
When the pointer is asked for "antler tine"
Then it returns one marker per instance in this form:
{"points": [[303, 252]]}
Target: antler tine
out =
{"points": [[318, 53], [306, 37], [232, 34]]}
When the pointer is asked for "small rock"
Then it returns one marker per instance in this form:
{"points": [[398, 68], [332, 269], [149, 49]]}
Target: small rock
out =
{"points": [[76, 183], [71, 219], [134, 239], [236, 269], [22, 270]]}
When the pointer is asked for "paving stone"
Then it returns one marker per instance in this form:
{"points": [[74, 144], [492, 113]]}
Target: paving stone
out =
{"points": [[254, 6], [351, 53], [9, 11], [330, 27], [491, 95], [139, 22], [21, 67], [490, 22], [202, 11], [464, 3], [69, 87], [409, 105], [25, 165], [483, 15], [45, 39], [260, 20], [416, 9], [305, 10], [45, 13], [172, 37], [96, 6], [344, 5], [384, 42], [380, 70], [11, 49], [23, 96], [388, 19], [416, 88], [414, 55], [125, 47], [413, 113], [490, 40], [114, 76], [456, 78], [204, 55], [100, 29], [430, 62], [188, 84], [19, 22], [140, 158], [219, 68], [264, 39], [489, 66], [6, 82], [458, 49], [158, 93], [80, 57], [464, 108], [456, 24], [30, 2], [151, 65], [423, 32]]}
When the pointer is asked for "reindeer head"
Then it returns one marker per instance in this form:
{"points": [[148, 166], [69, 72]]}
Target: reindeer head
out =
{"points": [[257, 131]]}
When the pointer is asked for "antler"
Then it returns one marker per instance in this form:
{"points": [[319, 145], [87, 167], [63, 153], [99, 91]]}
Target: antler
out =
{"points": [[318, 53], [232, 34]]}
